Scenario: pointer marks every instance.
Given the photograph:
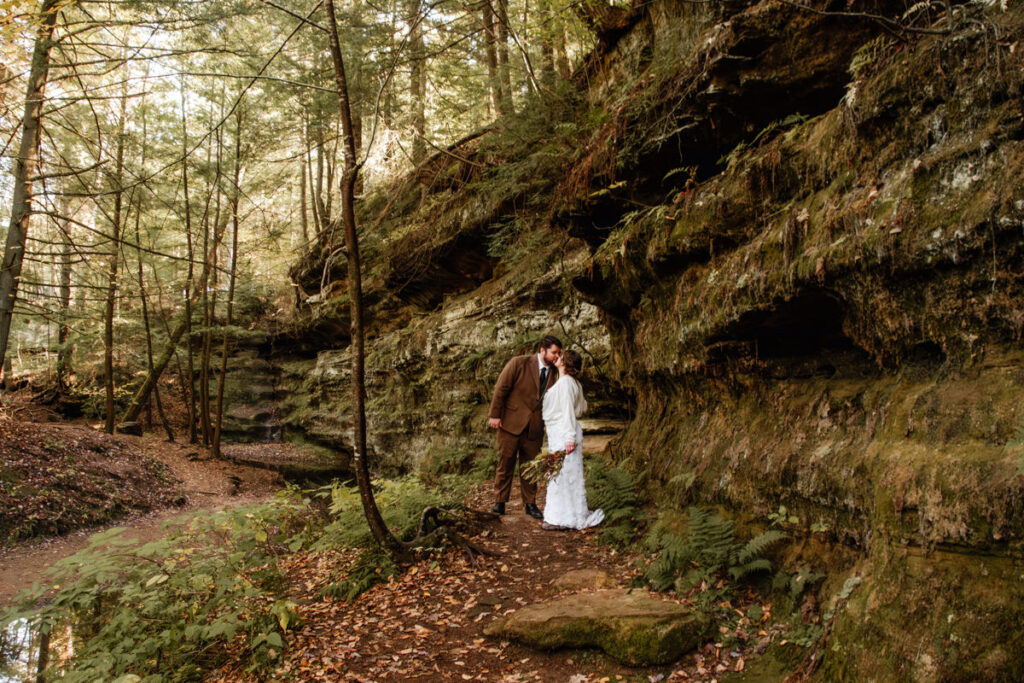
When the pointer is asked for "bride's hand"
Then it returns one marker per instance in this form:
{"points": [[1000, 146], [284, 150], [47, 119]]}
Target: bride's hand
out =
{"points": [[570, 446]]}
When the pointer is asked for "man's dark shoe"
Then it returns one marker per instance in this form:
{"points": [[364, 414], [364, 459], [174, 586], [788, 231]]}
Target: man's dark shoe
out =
{"points": [[534, 511], [498, 509]]}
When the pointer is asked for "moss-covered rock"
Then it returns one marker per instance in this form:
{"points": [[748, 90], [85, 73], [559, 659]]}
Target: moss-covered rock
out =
{"points": [[633, 627]]}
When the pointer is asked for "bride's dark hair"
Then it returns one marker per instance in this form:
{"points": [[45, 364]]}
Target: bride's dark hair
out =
{"points": [[573, 362]]}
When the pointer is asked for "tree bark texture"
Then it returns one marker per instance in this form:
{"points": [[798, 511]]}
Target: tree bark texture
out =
{"points": [[378, 528], [417, 81], [64, 299], [235, 193], [115, 257], [491, 57], [187, 387], [25, 166], [504, 68]]}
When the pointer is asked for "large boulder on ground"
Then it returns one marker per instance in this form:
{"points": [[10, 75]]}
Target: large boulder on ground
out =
{"points": [[633, 627]]}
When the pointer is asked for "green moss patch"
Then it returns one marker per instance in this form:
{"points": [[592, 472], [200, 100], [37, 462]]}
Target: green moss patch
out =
{"points": [[631, 626]]}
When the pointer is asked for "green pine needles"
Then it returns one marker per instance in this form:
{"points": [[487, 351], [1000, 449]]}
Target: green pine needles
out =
{"points": [[707, 549]]}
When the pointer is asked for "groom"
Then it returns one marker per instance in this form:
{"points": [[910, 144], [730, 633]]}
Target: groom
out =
{"points": [[516, 414]]}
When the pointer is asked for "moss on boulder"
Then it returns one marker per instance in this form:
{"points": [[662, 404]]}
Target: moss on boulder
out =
{"points": [[633, 627]]}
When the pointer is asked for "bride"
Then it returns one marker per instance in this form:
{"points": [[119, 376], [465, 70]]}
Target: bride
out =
{"points": [[566, 503]]}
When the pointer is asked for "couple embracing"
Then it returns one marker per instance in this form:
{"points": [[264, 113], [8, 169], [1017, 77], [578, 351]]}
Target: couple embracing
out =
{"points": [[534, 393]]}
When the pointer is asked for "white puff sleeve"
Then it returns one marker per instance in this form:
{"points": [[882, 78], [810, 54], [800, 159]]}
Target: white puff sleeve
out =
{"points": [[563, 403]]}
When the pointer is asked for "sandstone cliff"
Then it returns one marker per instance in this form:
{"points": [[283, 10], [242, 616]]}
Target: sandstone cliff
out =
{"points": [[791, 244]]}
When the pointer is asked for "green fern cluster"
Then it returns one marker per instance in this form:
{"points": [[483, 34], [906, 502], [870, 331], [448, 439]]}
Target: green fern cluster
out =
{"points": [[797, 582], [708, 548], [616, 491], [373, 566]]}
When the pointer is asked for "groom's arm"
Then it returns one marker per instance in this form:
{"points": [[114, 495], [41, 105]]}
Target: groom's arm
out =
{"points": [[506, 380]]}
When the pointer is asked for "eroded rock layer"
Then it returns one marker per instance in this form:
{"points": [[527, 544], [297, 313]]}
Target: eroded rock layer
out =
{"points": [[791, 242]]}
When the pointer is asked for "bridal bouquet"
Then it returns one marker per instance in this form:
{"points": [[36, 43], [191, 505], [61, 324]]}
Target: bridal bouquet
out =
{"points": [[546, 467]]}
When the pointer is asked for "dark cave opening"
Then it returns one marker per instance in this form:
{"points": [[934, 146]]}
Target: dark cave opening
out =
{"points": [[808, 325]]}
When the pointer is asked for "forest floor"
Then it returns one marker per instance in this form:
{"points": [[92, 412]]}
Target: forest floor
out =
{"points": [[427, 623], [192, 481]]}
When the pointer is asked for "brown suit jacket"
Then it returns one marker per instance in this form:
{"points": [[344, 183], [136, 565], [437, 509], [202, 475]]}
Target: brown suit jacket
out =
{"points": [[516, 399]]}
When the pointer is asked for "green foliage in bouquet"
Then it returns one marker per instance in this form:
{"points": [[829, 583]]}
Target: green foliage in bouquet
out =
{"points": [[543, 467]]}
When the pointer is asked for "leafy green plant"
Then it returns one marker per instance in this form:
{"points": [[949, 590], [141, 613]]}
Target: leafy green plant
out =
{"points": [[704, 552], [1015, 445], [782, 517], [401, 502], [797, 582], [806, 635], [166, 610]]}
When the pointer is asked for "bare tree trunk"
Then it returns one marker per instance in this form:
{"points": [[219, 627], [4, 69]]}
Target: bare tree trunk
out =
{"points": [[562, 52], [143, 297], [210, 249], [330, 163], [138, 401], [491, 55], [25, 166], [189, 387], [417, 81], [378, 528], [302, 202], [318, 193], [44, 653], [235, 193], [318, 224], [357, 120], [548, 28], [64, 298], [167, 330], [115, 257], [504, 69]]}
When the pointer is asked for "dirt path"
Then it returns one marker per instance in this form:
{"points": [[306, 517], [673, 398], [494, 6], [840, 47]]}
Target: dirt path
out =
{"points": [[207, 484], [427, 624]]}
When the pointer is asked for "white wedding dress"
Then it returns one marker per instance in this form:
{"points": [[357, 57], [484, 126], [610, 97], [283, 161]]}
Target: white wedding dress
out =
{"points": [[566, 502]]}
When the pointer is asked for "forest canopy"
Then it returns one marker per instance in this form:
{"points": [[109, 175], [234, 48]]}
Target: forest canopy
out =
{"points": [[154, 152]]}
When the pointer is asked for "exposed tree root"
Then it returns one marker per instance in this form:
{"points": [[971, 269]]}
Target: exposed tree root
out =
{"points": [[438, 526]]}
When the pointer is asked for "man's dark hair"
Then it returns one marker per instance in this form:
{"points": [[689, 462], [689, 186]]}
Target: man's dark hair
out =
{"points": [[547, 341]]}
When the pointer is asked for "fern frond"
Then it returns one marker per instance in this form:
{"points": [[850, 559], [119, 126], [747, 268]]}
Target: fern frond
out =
{"points": [[757, 546], [758, 565]]}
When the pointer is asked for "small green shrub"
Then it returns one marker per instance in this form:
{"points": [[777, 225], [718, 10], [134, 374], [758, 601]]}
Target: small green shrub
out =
{"points": [[401, 502], [168, 609], [797, 582]]}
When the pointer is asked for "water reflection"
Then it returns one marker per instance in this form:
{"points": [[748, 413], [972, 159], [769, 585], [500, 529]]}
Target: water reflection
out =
{"points": [[19, 653], [22, 643]]}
